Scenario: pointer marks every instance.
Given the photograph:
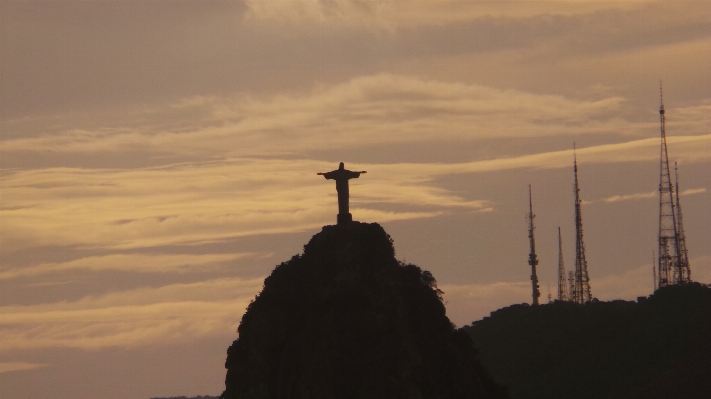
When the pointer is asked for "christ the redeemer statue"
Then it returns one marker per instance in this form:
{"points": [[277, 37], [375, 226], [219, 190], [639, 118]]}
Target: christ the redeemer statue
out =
{"points": [[341, 176]]}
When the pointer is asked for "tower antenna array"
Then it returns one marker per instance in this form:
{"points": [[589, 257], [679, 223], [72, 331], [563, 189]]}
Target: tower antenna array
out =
{"points": [[684, 271], [581, 290], [562, 285], [669, 263], [532, 258], [654, 272]]}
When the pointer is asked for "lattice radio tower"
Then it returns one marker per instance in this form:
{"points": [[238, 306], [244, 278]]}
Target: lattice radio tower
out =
{"points": [[581, 289], [672, 268], [562, 284], [684, 268], [532, 258], [654, 273]]}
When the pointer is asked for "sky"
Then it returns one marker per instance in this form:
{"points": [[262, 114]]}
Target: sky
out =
{"points": [[158, 159]]}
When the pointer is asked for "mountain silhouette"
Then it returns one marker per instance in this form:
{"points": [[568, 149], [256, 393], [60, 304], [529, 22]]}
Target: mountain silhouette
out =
{"points": [[656, 348], [345, 320]]}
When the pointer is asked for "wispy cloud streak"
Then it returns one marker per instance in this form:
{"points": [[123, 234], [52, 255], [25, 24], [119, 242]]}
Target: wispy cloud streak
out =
{"points": [[370, 110], [638, 196], [6, 367], [208, 201], [148, 316], [136, 263]]}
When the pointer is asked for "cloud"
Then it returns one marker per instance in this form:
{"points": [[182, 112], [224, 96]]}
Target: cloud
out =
{"points": [[626, 197], [137, 263], [692, 191], [389, 14], [334, 13], [180, 313], [283, 44], [364, 111], [6, 367], [689, 148], [188, 203], [692, 117], [535, 30], [638, 196], [147, 316], [203, 202]]}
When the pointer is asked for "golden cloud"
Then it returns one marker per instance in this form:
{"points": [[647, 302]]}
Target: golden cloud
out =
{"points": [[364, 111], [638, 196], [391, 14], [208, 201], [692, 191], [6, 367], [138, 263], [146, 316]]}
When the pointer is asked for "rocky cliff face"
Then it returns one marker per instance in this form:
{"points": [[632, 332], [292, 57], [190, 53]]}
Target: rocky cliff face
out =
{"points": [[346, 320]]}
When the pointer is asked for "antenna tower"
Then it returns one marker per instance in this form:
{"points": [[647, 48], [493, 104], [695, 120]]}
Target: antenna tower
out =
{"points": [[670, 262], [532, 258], [571, 285], [654, 272], [562, 286], [581, 290], [684, 269]]}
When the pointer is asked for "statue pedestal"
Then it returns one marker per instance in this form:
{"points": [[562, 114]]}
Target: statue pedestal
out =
{"points": [[344, 218]]}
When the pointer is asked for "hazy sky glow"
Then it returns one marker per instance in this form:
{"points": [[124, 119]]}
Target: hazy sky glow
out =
{"points": [[158, 159]]}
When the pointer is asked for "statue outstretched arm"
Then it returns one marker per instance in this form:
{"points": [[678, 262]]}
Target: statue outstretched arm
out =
{"points": [[329, 175], [340, 174], [354, 175]]}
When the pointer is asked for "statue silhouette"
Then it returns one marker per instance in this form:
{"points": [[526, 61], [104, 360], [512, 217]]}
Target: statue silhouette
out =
{"points": [[341, 176]]}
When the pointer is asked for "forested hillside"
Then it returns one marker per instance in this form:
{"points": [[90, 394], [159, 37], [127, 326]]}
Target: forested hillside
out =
{"points": [[346, 320], [657, 348]]}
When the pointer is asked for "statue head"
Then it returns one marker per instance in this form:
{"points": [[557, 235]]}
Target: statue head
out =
{"points": [[341, 167]]}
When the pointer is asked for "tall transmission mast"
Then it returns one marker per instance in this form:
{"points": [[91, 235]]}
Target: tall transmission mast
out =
{"points": [[562, 285], [669, 266], [532, 258], [571, 285], [654, 272], [684, 271], [581, 290]]}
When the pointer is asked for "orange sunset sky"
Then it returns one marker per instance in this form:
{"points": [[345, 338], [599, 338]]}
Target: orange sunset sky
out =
{"points": [[159, 158]]}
